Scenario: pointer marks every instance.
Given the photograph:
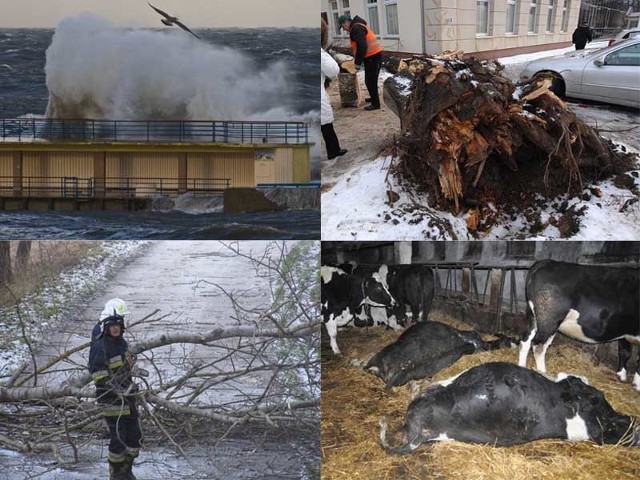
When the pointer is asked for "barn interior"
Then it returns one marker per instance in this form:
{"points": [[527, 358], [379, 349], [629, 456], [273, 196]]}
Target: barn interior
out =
{"points": [[480, 286]]}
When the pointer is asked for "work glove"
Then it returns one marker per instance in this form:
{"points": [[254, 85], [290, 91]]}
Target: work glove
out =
{"points": [[115, 386], [130, 359]]}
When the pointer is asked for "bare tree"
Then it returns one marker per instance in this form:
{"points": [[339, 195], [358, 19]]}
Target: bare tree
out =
{"points": [[6, 275], [22, 256], [260, 370]]}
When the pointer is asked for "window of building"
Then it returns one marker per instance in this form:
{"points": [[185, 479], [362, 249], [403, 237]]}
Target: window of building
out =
{"points": [[391, 11], [482, 17], [533, 16], [339, 7], [551, 15], [335, 13], [566, 8], [512, 17], [346, 8], [374, 23]]}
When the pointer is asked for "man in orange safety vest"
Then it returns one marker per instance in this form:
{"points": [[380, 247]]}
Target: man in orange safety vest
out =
{"points": [[366, 50]]}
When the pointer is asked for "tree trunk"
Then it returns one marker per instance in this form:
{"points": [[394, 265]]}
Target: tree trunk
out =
{"points": [[22, 256], [6, 275], [349, 90], [395, 93], [472, 138]]}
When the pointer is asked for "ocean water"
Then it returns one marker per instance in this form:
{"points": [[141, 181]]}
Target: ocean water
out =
{"points": [[149, 73], [173, 225], [87, 68]]}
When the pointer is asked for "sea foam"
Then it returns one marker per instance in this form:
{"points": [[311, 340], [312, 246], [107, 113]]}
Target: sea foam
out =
{"points": [[96, 70]]}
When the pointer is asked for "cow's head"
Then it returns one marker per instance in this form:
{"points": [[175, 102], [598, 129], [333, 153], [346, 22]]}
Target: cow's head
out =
{"points": [[376, 289], [327, 273]]}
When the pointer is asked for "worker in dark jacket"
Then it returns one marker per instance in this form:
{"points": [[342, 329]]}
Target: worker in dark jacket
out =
{"points": [[110, 367], [367, 51], [581, 36]]}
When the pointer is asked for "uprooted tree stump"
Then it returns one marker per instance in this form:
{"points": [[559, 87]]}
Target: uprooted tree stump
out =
{"points": [[471, 137]]}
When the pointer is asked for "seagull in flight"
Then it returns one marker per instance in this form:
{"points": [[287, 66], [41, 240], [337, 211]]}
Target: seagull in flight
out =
{"points": [[170, 21]]}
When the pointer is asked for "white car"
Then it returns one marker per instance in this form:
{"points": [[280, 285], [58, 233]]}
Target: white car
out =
{"points": [[611, 74], [625, 34]]}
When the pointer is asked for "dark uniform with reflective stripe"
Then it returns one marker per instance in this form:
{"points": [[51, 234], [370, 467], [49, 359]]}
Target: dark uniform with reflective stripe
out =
{"points": [[111, 374]]}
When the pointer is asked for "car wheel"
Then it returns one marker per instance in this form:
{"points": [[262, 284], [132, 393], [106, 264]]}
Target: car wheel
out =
{"points": [[557, 83]]}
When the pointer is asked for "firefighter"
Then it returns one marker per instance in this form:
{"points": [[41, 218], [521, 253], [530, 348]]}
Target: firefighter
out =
{"points": [[367, 50], [110, 365]]}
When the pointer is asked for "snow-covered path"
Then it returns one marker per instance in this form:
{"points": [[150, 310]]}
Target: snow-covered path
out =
{"points": [[174, 278]]}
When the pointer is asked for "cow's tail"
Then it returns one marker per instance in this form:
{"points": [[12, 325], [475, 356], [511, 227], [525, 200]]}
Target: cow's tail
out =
{"points": [[531, 325], [427, 277], [409, 446], [530, 295]]}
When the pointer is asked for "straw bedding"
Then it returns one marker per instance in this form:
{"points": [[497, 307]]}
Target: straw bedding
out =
{"points": [[353, 402]]}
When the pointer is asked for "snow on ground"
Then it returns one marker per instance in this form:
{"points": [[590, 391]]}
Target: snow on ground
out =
{"points": [[57, 300], [368, 215], [357, 207]]}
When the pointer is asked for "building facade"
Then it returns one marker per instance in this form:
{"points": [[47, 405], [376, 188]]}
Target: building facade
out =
{"points": [[486, 28], [125, 169]]}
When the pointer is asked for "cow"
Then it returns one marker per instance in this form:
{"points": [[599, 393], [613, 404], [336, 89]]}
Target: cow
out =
{"points": [[411, 286], [374, 295], [503, 404], [424, 349], [343, 298], [593, 304]]}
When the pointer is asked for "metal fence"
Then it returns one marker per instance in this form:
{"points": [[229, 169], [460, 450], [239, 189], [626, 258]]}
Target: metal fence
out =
{"points": [[111, 187], [498, 289], [80, 130], [605, 17]]}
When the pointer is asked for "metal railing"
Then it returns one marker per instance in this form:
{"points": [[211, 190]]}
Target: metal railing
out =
{"points": [[486, 287], [80, 130], [110, 187]]}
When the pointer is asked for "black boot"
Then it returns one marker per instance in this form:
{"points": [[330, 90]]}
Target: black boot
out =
{"points": [[128, 461], [117, 471]]}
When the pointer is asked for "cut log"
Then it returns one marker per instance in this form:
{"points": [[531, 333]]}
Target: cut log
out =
{"points": [[349, 90], [348, 66], [472, 138]]}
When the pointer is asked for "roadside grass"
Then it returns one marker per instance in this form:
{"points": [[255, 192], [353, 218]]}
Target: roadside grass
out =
{"points": [[47, 260]]}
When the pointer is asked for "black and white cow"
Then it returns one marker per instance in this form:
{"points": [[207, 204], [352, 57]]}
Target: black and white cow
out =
{"points": [[589, 303], [374, 295], [424, 349], [412, 286], [390, 290], [343, 297], [504, 404]]}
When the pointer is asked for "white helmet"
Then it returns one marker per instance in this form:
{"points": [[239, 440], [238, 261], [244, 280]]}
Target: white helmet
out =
{"points": [[115, 306]]}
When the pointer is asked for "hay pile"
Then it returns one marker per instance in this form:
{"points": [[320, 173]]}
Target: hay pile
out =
{"points": [[353, 401]]}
